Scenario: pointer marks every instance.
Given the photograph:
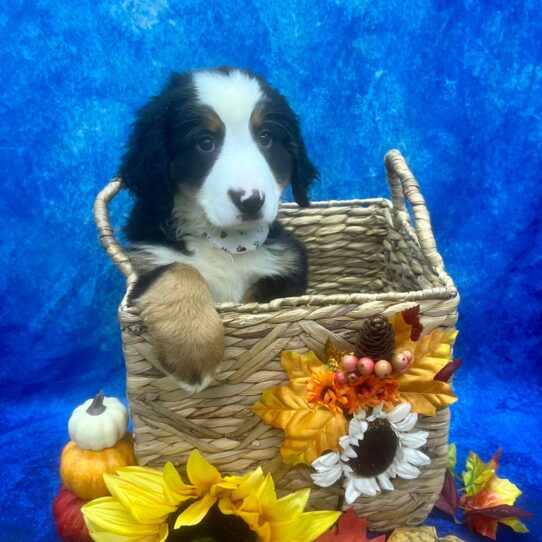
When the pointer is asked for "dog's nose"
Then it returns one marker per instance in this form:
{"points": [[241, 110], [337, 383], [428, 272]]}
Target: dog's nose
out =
{"points": [[248, 203]]}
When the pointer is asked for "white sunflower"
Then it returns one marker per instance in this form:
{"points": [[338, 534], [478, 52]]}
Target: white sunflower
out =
{"points": [[377, 448]]}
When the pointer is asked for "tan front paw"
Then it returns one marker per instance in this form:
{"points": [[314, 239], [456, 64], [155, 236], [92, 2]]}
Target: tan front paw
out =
{"points": [[187, 332]]}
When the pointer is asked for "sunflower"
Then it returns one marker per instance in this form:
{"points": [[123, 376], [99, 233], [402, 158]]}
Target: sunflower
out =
{"points": [[147, 505], [377, 447]]}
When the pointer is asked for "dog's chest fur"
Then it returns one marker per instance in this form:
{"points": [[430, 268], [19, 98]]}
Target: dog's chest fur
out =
{"points": [[229, 276]]}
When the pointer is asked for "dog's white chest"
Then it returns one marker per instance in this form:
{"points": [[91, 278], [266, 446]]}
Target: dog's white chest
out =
{"points": [[229, 276]]}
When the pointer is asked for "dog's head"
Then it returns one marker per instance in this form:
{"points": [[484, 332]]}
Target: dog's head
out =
{"points": [[223, 140]]}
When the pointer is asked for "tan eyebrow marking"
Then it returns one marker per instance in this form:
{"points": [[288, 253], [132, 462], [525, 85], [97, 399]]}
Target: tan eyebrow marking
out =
{"points": [[212, 122], [257, 118]]}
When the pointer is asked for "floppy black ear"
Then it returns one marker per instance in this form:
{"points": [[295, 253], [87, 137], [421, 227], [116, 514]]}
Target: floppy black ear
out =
{"points": [[144, 166], [303, 172]]}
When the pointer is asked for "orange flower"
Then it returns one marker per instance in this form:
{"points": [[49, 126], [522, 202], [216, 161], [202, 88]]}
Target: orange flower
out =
{"points": [[322, 389], [370, 391]]}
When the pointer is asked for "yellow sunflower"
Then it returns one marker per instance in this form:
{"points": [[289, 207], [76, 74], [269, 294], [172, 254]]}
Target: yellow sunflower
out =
{"points": [[147, 505]]}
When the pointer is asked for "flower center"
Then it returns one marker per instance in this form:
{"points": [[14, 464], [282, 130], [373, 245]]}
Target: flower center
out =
{"points": [[214, 527], [376, 452]]}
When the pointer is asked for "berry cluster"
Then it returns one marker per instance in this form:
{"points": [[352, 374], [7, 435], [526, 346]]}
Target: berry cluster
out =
{"points": [[353, 367]]}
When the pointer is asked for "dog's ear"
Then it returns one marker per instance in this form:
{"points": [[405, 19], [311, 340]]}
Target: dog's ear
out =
{"points": [[144, 166], [303, 171]]}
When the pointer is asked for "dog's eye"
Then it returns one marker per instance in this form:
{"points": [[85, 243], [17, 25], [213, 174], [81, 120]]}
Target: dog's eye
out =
{"points": [[265, 139], [206, 143]]}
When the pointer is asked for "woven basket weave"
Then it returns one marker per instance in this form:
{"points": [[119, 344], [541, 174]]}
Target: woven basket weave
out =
{"points": [[365, 258]]}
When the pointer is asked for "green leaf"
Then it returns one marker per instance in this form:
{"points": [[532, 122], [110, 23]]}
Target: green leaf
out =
{"points": [[515, 524], [452, 456], [476, 475]]}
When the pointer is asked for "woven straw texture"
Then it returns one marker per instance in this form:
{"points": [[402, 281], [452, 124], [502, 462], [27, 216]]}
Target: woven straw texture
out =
{"points": [[365, 257]]}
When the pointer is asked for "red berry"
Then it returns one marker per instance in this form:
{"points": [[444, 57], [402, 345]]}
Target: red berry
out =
{"points": [[352, 377], [349, 363], [383, 368], [366, 366], [340, 378], [399, 361]]}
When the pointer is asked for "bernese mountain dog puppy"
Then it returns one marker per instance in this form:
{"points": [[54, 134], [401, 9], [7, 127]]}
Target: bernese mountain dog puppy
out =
{"points": [[207, 161]]}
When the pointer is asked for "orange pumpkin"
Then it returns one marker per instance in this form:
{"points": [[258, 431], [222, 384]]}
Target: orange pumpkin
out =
{"points": [[82, 471]]}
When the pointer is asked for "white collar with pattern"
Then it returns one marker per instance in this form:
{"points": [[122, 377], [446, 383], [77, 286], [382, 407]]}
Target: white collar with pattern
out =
{"points": [[237, 241]]}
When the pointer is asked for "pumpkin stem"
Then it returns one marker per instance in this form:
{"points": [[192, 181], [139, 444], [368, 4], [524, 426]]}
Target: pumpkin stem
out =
{"points": [[97, 406]]}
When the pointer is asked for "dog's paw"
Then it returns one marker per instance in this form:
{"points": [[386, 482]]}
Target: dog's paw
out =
{"points": [[187, 332]]}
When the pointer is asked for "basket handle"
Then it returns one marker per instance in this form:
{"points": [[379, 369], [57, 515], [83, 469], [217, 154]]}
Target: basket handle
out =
{"points": [[403, 185], [105, 230]]}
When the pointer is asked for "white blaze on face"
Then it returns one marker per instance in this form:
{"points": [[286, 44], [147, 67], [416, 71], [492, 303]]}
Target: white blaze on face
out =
{"points": [[240, 164]]}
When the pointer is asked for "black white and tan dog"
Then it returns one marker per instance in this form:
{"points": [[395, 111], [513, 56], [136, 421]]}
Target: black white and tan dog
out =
{"points": [[207, 161]]}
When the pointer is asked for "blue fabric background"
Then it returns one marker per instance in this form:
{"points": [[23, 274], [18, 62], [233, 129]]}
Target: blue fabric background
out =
{"points": [[456, 86]]}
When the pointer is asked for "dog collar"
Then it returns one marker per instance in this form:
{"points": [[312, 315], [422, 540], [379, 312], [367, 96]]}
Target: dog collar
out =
{"points": [[237, 241]]}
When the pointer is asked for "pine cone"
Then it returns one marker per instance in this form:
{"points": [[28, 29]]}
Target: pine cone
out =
{"points": [[376, 339]]}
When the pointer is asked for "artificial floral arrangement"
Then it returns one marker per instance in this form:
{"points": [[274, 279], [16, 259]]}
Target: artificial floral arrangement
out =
{"points": [[145, 504], [351, 415], [485, 500]]}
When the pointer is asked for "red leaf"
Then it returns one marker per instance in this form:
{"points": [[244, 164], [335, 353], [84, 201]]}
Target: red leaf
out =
{"points": [[349, 529], [484, 526], [497, 512], [447, 501], [446, 373], [494, 461], [412, 318]]}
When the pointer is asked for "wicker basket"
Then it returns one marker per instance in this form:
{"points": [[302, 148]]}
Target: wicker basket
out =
{"points": [[365, 258]]}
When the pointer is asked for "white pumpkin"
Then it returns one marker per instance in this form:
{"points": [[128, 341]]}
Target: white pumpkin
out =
{"points": [[98, 423]]}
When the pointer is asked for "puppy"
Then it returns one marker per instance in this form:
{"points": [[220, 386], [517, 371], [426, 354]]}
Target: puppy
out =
{"points": [[207, 161]]}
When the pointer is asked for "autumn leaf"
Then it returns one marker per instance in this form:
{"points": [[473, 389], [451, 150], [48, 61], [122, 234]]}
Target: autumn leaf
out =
{"points": [[418, 385], [446, 373], [452, 456], [406, 325], [490, 500], [350, 528], [299, 367], [419, 534], [426, 396], [476, 475], [483, 515], [412, 318], [494, 461], [431, 353], [308, 432], [501, 511], [448, 500]]}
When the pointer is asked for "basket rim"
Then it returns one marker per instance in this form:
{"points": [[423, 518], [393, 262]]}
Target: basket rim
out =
{"points": [[321, 300], [287, 205], [447, 291]]}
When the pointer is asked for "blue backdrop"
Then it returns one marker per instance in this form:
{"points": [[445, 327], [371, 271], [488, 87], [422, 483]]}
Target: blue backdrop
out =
{"points": [[456, 86]]}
